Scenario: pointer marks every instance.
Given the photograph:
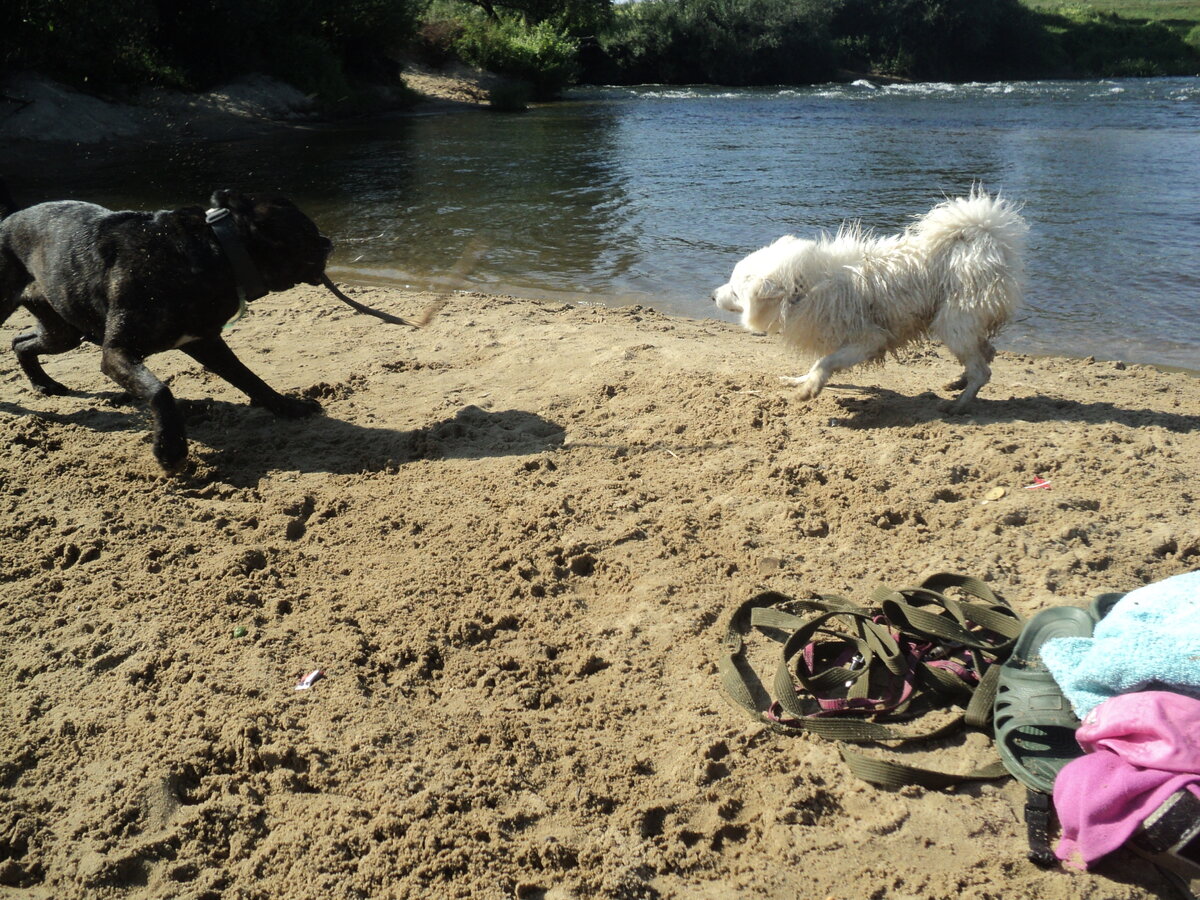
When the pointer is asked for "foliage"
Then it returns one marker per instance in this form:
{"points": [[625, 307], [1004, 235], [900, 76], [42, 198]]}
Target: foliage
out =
{"points": [[436, 39], [512, 96], [941, 39], [540, 54], [81, 45], [576, 17], [773, 41], [315, 44], [326, 46], [733, 42]]}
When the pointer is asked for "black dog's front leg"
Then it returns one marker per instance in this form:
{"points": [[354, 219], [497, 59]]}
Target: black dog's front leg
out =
{"points": [[128, 371], [214, 354]]}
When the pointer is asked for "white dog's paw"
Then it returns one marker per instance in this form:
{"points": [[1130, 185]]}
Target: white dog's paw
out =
{"points": [[808, 386], [957, 407]]}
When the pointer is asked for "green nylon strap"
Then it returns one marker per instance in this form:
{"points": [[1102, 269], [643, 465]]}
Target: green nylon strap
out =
{"points": [[768, 617], [992, 614], [979, 711], [870, 640], [906, 609], [965, 583], [831, 623], [861, 731], [736, 675], [886, 773]]}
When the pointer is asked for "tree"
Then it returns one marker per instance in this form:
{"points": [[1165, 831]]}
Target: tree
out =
{"points": [[578, 17], [946, 39]]}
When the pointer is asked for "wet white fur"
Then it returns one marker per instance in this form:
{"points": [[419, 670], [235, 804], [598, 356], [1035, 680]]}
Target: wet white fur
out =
{"points": [[955, 275]]}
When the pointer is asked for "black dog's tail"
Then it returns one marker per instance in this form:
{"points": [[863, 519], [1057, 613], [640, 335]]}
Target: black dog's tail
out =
{"points": [[8, 205]]}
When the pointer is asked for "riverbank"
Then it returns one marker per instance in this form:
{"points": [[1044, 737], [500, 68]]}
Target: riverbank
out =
{"points": [[511, 545], [35, 110]]}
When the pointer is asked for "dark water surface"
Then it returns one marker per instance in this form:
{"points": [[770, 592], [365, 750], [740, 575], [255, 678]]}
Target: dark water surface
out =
{"points": [[650, 195]]}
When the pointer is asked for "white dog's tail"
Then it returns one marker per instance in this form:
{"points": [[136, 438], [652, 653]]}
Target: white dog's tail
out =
{"points": [[974, 248], [983, 223]]}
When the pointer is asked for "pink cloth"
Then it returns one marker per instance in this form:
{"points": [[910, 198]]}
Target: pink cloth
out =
{"points": [[1141, 748]]}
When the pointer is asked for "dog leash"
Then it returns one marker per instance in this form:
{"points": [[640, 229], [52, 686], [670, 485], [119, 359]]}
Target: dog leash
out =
{"points": [[850, 673]]}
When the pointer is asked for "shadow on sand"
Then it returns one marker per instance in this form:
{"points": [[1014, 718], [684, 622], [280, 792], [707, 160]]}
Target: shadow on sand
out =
{"points": [[875, 407], [243, 444]]}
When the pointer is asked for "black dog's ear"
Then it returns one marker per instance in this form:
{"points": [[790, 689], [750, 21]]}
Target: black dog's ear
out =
{"points": [[227, 199]]}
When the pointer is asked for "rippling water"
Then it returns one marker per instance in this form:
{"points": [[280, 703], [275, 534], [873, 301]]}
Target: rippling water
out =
{"points": [[650, 195]]}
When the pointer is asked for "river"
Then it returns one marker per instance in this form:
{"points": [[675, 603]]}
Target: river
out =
{"points": [[650, 195]]}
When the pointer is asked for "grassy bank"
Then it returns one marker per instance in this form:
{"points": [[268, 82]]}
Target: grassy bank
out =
{"points": [[1171, 12], [1109, 37]]}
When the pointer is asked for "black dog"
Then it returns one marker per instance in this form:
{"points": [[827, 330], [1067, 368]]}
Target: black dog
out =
{"points": [[139, 283]]}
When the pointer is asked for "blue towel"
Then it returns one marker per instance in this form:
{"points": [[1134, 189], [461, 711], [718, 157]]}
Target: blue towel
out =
{"points": [[1149, 640]]}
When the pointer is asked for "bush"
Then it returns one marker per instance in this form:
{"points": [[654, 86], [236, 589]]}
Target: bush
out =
{"points": [[940, 39], [365, 34], [511, 96], [102, 50], [305, 61], [315, 45], [720, 42], [540, 54], [436, 40]]}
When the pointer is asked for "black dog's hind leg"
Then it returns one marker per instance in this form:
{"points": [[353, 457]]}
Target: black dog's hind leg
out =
{"points": [[214, 354], [51, 335], [128, 371]]}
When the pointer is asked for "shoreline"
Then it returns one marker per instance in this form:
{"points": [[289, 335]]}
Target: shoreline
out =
{"points": [[511, 544], [349, 276], [37, 112]]}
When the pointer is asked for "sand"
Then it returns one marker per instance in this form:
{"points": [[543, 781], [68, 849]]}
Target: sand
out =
{"points": [[511, 545]]}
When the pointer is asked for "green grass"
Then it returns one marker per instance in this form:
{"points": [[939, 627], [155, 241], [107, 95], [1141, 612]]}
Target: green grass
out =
{"points": [[1124, 37], [1176, 13]]}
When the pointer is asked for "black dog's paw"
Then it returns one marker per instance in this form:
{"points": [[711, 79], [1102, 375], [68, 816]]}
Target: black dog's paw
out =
{"points": [[51, 388], [171, 452], [295, 407], [117, 398]]}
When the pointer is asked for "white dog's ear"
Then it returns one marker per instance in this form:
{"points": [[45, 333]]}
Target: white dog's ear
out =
{"points": [[767, 288]]}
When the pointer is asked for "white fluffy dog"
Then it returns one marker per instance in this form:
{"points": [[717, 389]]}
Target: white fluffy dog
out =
{"points": [[955, 274]]}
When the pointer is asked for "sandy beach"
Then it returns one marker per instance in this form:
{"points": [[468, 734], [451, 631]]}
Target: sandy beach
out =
{"points": [[511, 545]]}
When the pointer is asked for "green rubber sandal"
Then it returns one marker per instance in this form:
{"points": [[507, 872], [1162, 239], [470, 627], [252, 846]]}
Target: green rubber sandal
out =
{"points": [[1103, 603], [1035, 725]]}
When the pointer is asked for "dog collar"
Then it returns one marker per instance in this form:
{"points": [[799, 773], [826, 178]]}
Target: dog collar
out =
{"points": [[249, 281]]}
